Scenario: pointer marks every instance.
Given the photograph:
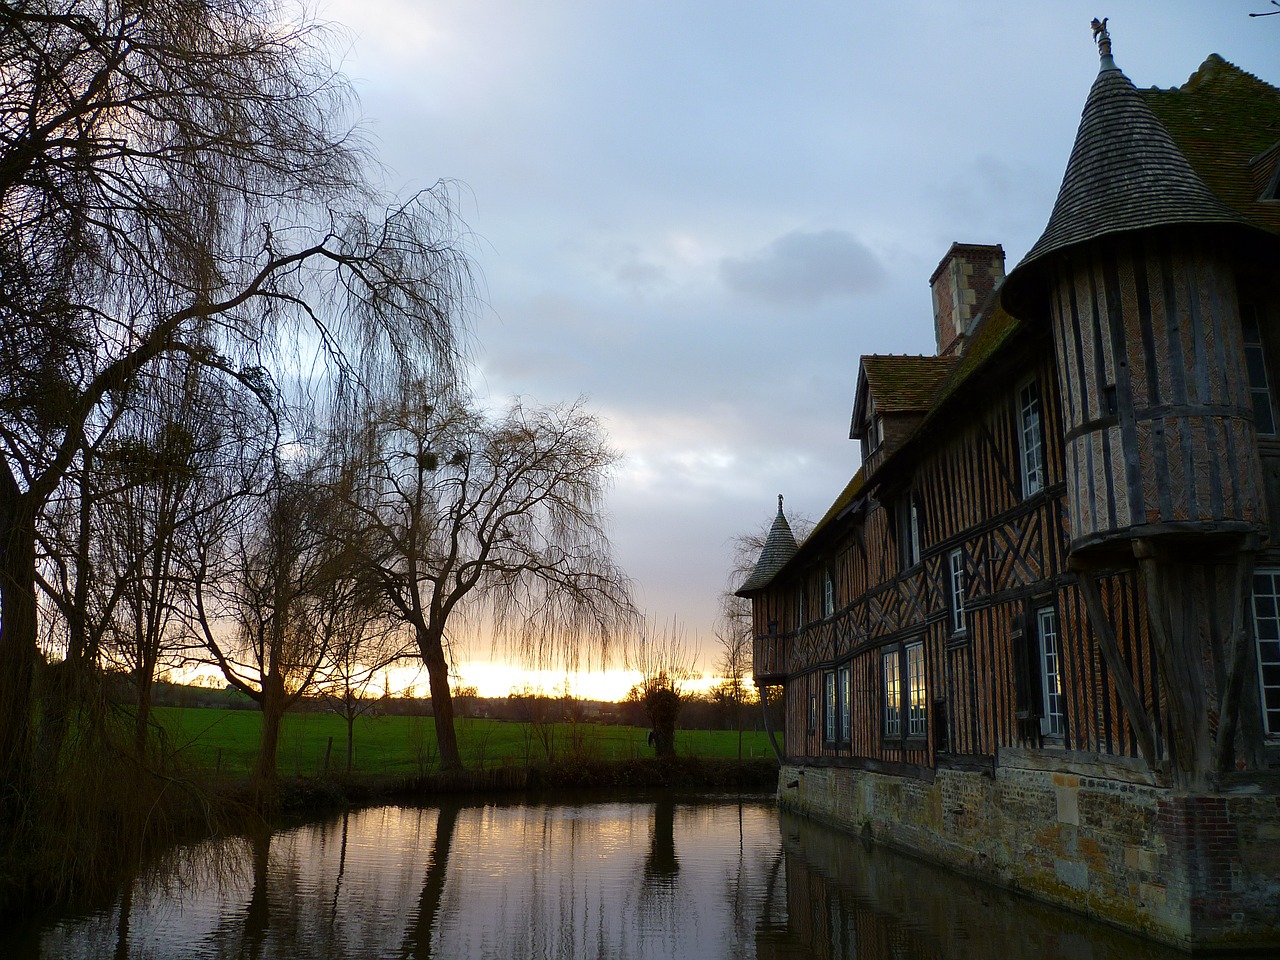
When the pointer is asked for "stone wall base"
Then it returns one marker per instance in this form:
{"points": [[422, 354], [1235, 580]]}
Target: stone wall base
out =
{"points": [[1195, 871]]}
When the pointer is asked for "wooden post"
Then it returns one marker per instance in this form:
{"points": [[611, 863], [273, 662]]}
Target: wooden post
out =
{"points": [[1134, 709]]}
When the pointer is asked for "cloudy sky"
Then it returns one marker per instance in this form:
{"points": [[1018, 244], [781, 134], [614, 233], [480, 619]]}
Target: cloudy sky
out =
{"points": [[699, 214]]}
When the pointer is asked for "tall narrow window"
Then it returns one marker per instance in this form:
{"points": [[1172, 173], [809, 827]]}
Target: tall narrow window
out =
{"points": [[842, 700], [813, 713], [917, 712], [1030, 439], [829, 725], [892, 694], [1264, 416], [802, 614], [828, 595], [1266, 631], [908, 519], [955, 563], [1053, 718]]}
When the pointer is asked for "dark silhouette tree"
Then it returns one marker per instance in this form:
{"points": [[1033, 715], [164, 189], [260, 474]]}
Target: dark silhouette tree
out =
{"points": [[181, 177], [499, 520]]}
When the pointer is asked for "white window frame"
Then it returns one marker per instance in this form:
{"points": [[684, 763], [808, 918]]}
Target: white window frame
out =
{"points": [[917, 691], [843, 691], [802, 611], [829, 717], [1053, 720], [828, 594], [955, 580], [891, 686], [1030, 438], [1266, 634]]}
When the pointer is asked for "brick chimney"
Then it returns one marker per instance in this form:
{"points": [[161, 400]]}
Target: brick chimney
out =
{"points": [[964, 278]]}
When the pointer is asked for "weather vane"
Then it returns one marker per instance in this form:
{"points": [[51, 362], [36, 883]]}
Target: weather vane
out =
{"points": [[1100, 35]]}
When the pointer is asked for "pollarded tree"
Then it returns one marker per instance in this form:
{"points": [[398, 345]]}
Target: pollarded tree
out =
{"points": [[501, 520], [665, 664], [181, 177]]}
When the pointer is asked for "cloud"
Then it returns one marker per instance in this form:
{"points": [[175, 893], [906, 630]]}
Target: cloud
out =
{"points": [[805, 268]]}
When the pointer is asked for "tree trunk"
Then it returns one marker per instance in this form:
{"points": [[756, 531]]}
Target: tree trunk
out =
{"points": [[431, 646], [142, 717], [351, 736], [17, 640], [265, 775]]}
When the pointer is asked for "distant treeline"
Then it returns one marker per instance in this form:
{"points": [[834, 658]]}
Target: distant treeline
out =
{"points": [[697, 712]]}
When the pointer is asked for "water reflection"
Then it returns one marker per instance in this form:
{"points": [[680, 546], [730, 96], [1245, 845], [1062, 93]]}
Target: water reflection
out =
{"points": [[640, 879], [846, 900]]}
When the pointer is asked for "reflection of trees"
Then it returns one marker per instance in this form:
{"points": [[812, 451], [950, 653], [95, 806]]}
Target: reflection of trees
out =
{"points": [[417, 941], [662, 864]]}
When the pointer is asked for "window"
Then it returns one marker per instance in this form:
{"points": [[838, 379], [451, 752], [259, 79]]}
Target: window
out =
{"points": [[905, 691], [1030, 439], [917, 714], [955, 562], [813, 713], [1053, 721], [802, 612], [908, 517], [829, 682], [892, 695], [828, 595], [842, 703], [1264, 416], [1266, 631]]}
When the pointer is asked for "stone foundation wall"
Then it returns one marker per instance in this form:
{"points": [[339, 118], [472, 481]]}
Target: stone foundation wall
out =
{"points": [[1194, 871]]}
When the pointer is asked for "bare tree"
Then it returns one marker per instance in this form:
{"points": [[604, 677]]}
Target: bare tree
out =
{"points": [[180, 177], [734, 664], [665, 664], [361, 642], [260, 602], [499, 519]]}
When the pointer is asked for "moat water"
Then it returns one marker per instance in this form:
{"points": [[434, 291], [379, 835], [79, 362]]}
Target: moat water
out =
{"points": [[704, 878]]}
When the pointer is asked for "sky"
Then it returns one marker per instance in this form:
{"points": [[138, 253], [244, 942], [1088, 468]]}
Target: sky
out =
{"points": [[698, 215]]}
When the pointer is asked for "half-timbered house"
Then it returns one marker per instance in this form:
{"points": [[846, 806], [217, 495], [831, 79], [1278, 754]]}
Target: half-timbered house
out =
{"points": [[1037, 635]]}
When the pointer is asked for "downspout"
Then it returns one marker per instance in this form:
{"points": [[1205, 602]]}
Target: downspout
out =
{"points": [[764, 710]]}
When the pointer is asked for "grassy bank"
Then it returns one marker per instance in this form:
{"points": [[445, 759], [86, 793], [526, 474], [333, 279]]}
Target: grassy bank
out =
{"points": [[314, 744]]}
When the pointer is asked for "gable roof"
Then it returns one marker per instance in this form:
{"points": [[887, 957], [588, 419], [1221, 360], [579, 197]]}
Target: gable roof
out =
{"points": [[897, 384]]}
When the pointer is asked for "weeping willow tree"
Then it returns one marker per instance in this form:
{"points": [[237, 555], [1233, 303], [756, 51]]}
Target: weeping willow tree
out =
{"points": [[183, 178], [496, 520]]}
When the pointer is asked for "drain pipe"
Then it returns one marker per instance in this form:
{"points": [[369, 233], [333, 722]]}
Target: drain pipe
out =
{"points": [[764, 710]]}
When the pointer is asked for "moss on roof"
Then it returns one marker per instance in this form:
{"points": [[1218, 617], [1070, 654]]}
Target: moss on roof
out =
{"points": [[1222, 119], [904, 384]]}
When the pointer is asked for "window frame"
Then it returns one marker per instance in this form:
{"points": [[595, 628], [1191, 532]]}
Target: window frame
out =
{"points": [[1053, 698], [844, 690], [1031, 464], [1268, 664], [891, 694], [828, 594], [904, 690], [829, 716], [1256, 368], [956, 590]]}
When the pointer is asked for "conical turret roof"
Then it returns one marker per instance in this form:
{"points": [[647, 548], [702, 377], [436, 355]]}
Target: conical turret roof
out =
{"points": [[1125, 174], [779, 547]]}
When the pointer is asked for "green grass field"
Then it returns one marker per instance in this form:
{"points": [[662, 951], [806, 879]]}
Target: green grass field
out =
{"points": [[227, 741]]}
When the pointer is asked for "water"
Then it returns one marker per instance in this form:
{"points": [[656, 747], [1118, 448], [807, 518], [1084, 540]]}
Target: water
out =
{"points": [[650, 878]]}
